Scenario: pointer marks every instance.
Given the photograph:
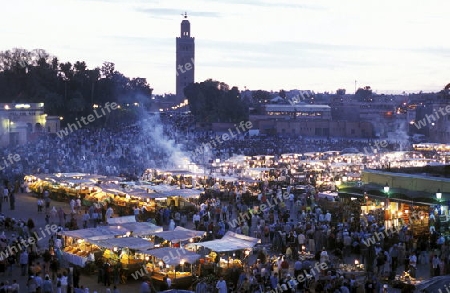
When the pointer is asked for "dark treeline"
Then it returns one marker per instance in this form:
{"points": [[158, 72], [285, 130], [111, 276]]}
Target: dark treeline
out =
{"points": [[69, 90], [213, 101]]}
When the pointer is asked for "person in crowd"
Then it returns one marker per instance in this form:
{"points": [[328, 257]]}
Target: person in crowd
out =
{"points": [[412, 264], [436, 264], [24, 262], [221, 285], [32, 285], [145, 286], [164, 285], [15, 287], [47, 285]]}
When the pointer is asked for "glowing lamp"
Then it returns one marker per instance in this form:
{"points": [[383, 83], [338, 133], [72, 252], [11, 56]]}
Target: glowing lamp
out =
{"points": [[386, 188]]}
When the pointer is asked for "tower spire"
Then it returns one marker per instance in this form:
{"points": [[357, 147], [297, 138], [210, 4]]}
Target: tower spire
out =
{"points": [[185, 54]]}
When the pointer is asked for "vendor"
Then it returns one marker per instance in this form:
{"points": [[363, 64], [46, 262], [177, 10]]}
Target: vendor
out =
{"points": [[150, 267]]}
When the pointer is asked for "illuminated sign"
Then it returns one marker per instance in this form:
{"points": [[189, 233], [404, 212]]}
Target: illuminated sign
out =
{"points": [[19, 106]]}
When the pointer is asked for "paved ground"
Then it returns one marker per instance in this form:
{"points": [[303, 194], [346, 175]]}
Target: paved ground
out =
{"points": [[26, 207]]}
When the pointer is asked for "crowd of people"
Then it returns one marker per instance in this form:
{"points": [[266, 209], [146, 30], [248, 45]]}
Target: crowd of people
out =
{"points": [[298, 223], [301, 223], [128, 150]]}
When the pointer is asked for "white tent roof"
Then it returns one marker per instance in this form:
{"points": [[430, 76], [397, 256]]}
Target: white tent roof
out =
{"points": [[130, 242], [121, 220], [179, 234], [229, 242], [186, 193], [173, 255], [142, 228], [105, 232]]}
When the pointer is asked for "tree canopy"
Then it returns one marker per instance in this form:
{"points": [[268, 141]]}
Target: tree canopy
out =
{"points": [[67, 89], [213, 101]]}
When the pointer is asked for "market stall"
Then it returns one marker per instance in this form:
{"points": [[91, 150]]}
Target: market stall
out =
{"points": [[178, 235], [230, 242], [142, 229], [225, 253], [78, 248], [182, 199], [123, 251], [137, 229], [175, 263]]}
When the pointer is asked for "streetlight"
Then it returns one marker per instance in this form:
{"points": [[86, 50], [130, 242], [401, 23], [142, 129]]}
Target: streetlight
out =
{"points": [[386, 189], [386, 206], [438, 195]]}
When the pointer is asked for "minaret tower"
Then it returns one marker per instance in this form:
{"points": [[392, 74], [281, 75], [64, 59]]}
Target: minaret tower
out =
{"points": [[185, 66]]}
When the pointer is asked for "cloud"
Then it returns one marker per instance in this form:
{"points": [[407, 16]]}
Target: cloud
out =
{"points": [[284, 54]]}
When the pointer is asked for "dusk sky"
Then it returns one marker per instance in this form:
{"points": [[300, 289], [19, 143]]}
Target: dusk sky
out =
{"points": [[392, 46]]}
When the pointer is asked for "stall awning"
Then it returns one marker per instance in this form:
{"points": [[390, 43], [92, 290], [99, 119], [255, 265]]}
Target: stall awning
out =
{"points": [[130, 242], [185, 193], [179, 234], [229, 242], [172, 255], [104, 232], [142, 228], [121, 220]]}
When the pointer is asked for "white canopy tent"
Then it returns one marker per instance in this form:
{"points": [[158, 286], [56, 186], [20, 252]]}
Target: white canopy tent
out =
{"points": [[129, 242], [179, 234], [138, 228], [142, 228], [173, 255], [121, 220], [229, 242], [185, 193], [104, 232]]}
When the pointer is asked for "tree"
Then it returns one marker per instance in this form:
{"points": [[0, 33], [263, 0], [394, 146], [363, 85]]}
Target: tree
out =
{"points": [[107, 70], [364, 94], [261, 96], [214, 101], [67, 89]]}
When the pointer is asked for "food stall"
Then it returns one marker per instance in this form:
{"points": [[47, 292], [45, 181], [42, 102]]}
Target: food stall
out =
{"points": [[142, 229], [175, 263], [136, 229], [123, 250], [78, 248], [225, 253], [182, 199], [175, 237]]}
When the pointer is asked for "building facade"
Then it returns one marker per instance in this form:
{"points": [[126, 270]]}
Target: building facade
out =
{"points": [[185, 59], [20, 121]]}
